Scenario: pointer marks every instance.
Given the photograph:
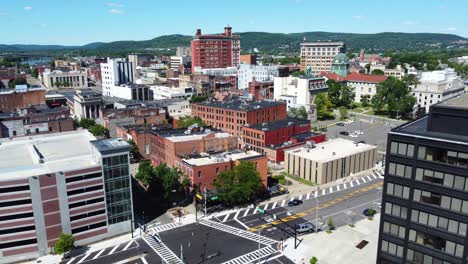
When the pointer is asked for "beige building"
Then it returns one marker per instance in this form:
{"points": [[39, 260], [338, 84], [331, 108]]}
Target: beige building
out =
{"points": [[64, 79], [319, 55], [330, 160]]}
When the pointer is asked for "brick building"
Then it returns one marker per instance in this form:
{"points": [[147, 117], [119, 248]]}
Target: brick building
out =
{"points": [[248, 59], [12, 99], [215, 50], [231, 116], [205, 84], [261, 90]]}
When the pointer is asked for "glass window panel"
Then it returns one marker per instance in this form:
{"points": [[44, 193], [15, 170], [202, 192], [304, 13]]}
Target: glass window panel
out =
{"points": [[417, 195], [462, 229], [404, 212], [410, 151], [414, 215], [453, 226], [400, 170], [459, 182], [398, 191], [408, 171], [393, 229], [401, 232], [412, 235], [427, 259], [432, 220], [445, 202], [396, 210], [386, 227], [394, 148], [465, 207], [456, 204], [406, 192], [466, 184], [399, 252], [448, 180], [443, 223], [423, 218], [450, 247], [409, 254], [402, 149], [384, 246], [392, 248], [392, 168], [419, 174], [421, 152], [438, 175], [388, 208], [390, 188], [459, 250]]}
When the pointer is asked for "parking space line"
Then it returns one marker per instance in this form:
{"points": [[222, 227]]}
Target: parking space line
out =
{"points": [[308, 196], [246, 212], [113, 250], [237, 213], [83, 258], [274, 205], [99, 254], [71, 260], [226, 217], [242, 224], [144, 260], [282, 204], [128, 245]]}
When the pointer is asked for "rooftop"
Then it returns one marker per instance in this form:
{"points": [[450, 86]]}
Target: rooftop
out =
{"points": [[279, 124], [182, 135], [323, 43], [47, 153], [242, 105], [331, 150], [355, 77], [108, 145], [460, 101], [207, 159]]}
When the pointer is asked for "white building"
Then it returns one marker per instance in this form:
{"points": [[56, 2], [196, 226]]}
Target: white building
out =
{"points": [[398, 72], [164, 92], [218, 71], [177, 60], [299, 91], [437, 86], [116, 72], [132, 92], [64, 79], [260, 72], [86, 104], [177, 108]]}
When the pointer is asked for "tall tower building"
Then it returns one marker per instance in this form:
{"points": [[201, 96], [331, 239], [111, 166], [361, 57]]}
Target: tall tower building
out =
{"points": [[116, 72], [425, 195], [319, 55], [215, 50]]}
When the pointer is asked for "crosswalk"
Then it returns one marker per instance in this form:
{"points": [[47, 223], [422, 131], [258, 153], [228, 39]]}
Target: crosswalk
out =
{"points": [[162, 228], [162, 250], [102, 253], [233, 215], [239, 232], [253, 256]]}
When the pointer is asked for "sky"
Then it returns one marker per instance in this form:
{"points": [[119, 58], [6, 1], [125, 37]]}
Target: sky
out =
{"points": [[78, 22]]}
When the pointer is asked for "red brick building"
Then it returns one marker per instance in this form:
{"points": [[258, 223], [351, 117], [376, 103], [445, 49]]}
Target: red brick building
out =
{"points": [[215, 50], [248, 59], [275, 153], [231, 116], [261, 90], [11, 99]]}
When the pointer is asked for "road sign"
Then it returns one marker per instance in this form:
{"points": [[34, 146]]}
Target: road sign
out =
{"points": [[214, 198], [260, 210], [199, 197]]}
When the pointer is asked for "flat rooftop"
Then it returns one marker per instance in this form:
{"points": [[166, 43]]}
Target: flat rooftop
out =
{"points": [[273, 125], [242, 105], [20, 157], [206, 159], [460, 101], [331, 150], [182, 137]]}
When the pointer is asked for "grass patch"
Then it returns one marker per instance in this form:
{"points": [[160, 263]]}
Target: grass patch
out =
{"points": [[329, 231], [299, 179], [358, 110]]}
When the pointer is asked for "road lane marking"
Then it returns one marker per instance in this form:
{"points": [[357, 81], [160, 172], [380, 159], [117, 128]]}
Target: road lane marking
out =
{"points": [[351, 183], [71, 260], [128, 245], [282, 204], [114, 249], [226, 218], [308, 196], [242, 224], [246, 212], [237, 213], [99, 254], [292, 198], [322, 206], [83, 258], [375, 177], [331, 189], [144, 260], [274, 205]]}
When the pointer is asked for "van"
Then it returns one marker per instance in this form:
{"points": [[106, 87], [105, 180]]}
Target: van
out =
{"points": [[305, 227]]}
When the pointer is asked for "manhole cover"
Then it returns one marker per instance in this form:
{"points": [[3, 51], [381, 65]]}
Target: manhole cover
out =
{"points": [[362, 244]]}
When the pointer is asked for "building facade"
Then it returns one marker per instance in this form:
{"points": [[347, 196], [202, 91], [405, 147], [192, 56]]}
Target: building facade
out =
{"points": [[117, 72], [215, 50], [424, 205], [318, 56], [83, 190], [232, 115], [261, 73], [261, 90], [138, 92], [12, 99], [329, 161], [86, 104], [250, 59], [65, 79], [437, 86]]}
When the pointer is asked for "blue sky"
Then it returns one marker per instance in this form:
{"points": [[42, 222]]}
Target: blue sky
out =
{"points": [[76, 22]]}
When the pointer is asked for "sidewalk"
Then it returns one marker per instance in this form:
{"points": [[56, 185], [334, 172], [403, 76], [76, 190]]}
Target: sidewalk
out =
{"points": [[339, 246]]}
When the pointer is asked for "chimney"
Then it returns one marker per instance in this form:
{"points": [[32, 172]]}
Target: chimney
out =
{"points": [[228, 31], [198, 32]]}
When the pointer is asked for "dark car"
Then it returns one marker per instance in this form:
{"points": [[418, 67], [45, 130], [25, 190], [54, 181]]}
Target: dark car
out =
{"points": [[344, 133], [340, 124], [294, 202], [362, 141], [369, 212]]}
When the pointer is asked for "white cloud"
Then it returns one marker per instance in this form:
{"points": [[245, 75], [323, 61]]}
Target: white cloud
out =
{"points": [[28, 8], [357, 17], [112, 4], [451, 29], [410, 22], [116, 11]]}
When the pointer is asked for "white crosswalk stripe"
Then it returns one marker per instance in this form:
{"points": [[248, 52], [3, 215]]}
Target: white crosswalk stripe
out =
{"points": [[369, 178], [338, 187], [113, 250], [162, 228], [308, 196], [266, 207], [253, 256], [374, 176], [274, 205], [331, 189], [237, 214], [246, 212], [364, 180], [345, 186], [316, 194], [282, 204], [238, 232], [99, 254], [351, 183], [226, 217], [162, 250], [128, 245], [85, 257], [71, 260], [300, 197]]}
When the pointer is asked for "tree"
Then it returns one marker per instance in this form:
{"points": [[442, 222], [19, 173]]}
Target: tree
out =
{"points": [[87, 123], [395, 95], [145, 173], [133, 148], [343, 112], [331, 224], [198, 99], [378, 72], [334, 92], [17, 81], [299, 112], [365, 100], [98, 131], [347, 96], [323, 104], [186, 121], [313, 260], [35, 72], [298, 73], [367, 68], [65, 243], [169, 178], [240, 185]]}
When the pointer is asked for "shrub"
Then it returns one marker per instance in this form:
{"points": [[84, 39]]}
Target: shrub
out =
{"points": [[64, 243]]}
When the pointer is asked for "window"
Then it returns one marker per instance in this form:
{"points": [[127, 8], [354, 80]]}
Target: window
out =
{"points": [[399, 170], [397, 190], [403, 149], [435, 242], [199, 174], [441, 178], [438, 222], [392, 248], [396, 210], [443, 156], [443, 201], [394, 230], [419, 258]]}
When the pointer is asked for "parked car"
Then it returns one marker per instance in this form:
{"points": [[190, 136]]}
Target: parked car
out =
{"points": [[294, 202], [340, 124], [305, 227], [344, 133], [277, 190]]}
